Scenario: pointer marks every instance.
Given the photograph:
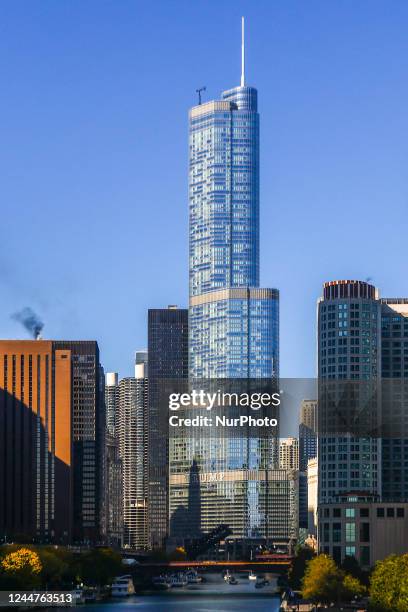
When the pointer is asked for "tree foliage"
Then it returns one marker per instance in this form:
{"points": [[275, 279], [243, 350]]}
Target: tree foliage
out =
{"points": [[298, 567], [21, 569], [324, 582], [389, 584]]}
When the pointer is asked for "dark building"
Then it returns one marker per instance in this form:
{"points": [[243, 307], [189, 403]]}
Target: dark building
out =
{"points": [[88, 437], [113, 493], [394, 372], [168, 359], [50, 431]]}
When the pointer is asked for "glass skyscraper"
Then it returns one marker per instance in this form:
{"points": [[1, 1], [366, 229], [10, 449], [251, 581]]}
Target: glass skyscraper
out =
{"points": [[233, 323]]}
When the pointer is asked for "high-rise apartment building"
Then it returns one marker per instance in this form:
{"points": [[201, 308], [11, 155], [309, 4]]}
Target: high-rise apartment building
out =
{"points": [[51, 440], [168, 360], [132, 428], [111, 401], [361, 483], [289, 454], [394, 371], [233, 323]]}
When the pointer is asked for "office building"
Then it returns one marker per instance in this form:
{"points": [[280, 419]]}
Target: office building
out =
{"points": [[114, 499], [168, 361], [51, 440], [307, 432]]}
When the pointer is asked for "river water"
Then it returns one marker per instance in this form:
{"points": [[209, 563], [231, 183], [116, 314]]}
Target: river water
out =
{"points": [[213, 595], [197, 603]]}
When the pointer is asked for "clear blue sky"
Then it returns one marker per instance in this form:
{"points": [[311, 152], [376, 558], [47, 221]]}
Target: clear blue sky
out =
{"points": [[93, 188]]}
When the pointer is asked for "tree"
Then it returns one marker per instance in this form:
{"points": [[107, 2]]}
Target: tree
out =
{"points": [[323, 581], [351, 566], [21, 569], [389, 584], [298, 567], [99, 566], [352, 587]]}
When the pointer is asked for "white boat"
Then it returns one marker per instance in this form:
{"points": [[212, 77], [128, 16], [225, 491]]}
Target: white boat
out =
{"points": [[78, 596], [123, 586], [178, 580], [251, 575], [193, 577]]}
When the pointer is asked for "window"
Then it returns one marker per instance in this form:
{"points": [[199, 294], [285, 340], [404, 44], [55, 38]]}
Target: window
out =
{"points": [[337, 512], [365, 555], [350, 513], [380, 512], [350, 551], [364, 512], [390, 513], [400, 513], [350, 532], [364, 532]]}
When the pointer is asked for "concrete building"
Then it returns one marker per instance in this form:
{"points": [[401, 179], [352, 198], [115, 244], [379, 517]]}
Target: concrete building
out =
{"points": [[132, 433], [312, 497], [111, 401], [289, 454]]}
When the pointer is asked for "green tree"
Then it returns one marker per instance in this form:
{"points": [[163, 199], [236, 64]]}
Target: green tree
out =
{"points": [[298, 567], [99, 566], [389, 584], [352, 587], [323, 580]]}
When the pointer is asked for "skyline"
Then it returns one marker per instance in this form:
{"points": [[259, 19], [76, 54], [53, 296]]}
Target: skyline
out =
{"points": [[111, 183]]}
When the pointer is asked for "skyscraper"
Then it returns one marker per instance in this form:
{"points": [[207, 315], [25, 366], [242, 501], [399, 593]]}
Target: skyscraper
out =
{"points": [[132, 426], [362, 490], [51, 440], [233, 323], [111, 401], [168, 360]]}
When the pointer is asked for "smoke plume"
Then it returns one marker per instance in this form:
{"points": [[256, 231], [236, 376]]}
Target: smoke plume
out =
{"points": [[30, 320]]}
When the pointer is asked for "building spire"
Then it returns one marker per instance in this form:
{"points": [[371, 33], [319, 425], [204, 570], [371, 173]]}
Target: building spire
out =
{"points": [[242, 52]]}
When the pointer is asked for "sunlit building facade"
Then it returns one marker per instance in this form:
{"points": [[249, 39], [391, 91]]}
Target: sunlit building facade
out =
{"points": [[233, 323]]}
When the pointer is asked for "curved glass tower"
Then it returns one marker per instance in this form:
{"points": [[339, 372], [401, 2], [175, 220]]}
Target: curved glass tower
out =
{"points": [[233, 323]]}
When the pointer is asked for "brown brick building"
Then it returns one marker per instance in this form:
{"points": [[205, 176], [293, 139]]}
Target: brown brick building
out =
{"points": [[51, 440]]}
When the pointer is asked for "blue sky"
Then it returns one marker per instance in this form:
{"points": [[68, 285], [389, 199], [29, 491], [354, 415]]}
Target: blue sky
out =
{"points": [[93, 156]]}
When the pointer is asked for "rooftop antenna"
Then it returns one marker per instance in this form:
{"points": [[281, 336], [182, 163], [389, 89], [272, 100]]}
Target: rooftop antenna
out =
{"points": [[199, 90], [242, 52]]}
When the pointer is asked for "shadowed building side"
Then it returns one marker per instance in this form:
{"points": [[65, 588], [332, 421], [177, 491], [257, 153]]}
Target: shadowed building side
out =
{"points": [[35, 442]]}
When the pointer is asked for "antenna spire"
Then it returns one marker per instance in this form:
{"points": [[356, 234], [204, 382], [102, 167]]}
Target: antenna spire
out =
{"points": [[242, 52]]}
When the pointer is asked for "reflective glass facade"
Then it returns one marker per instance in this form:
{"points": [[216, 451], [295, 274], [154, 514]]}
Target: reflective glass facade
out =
{"points": [[233, 323]]}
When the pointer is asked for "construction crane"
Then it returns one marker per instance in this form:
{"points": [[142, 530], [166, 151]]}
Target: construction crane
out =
{"points": [[199, 90]]}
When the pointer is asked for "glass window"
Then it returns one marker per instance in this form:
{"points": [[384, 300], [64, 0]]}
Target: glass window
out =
{"points": [[400, 513], [350, 532], [380, 512], [350, 513], [390, 512], [350, 551]]}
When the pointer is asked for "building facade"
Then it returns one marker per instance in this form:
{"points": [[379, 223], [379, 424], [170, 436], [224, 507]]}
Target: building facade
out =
{"points": [[51, 440], [111, 401], [362, 481], [233, 323], [132, 425], [168, 361]]}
